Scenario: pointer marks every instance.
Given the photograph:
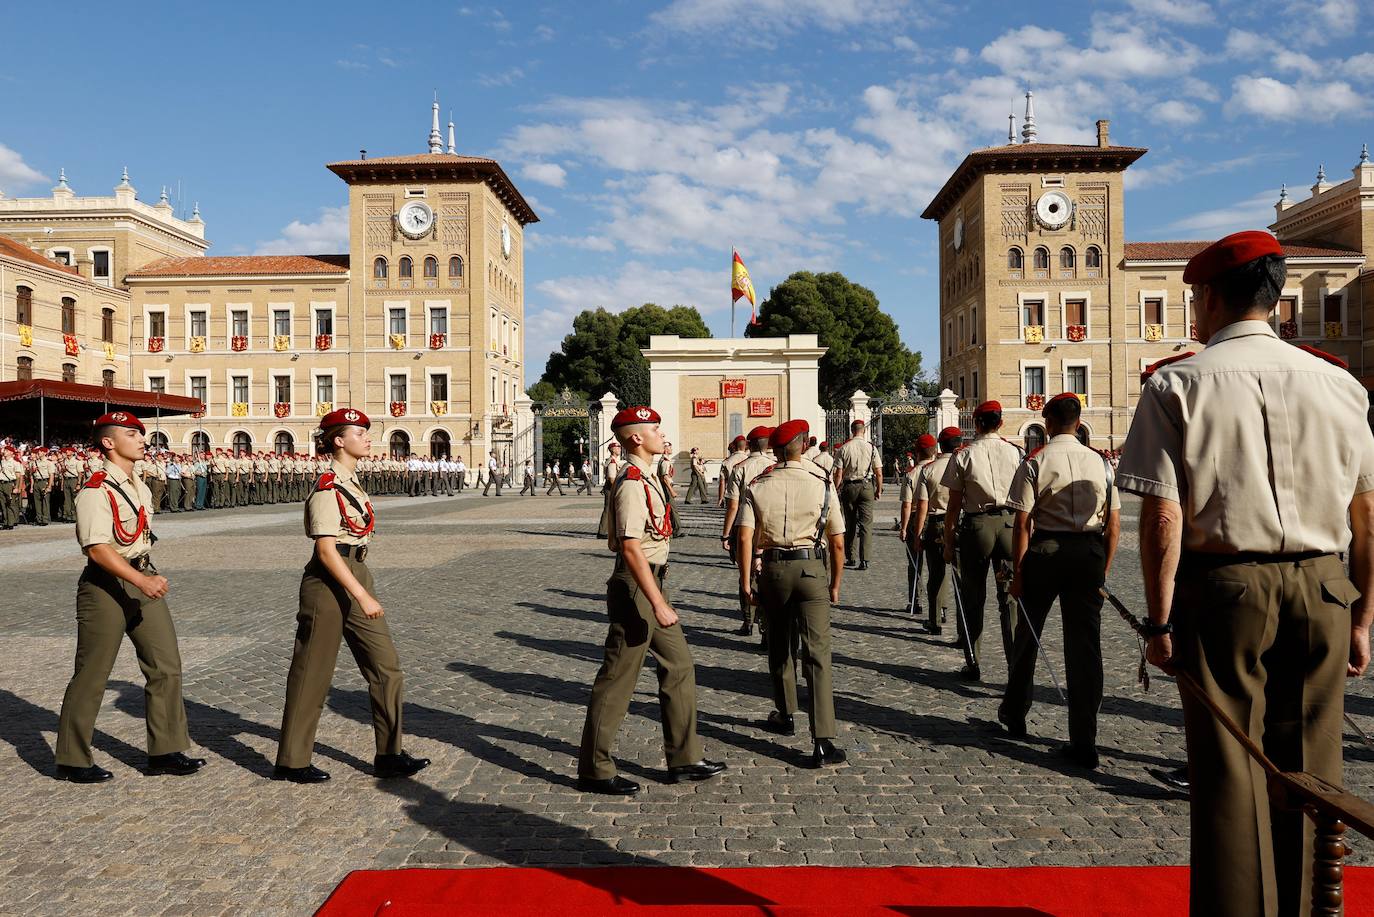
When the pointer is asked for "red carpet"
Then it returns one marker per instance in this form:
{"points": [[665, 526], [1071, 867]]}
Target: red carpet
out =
{"points": [[795, 891]]}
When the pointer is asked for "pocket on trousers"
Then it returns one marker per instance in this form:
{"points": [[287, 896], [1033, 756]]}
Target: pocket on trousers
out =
{"points": [[1340, 591], [1224, 592]]}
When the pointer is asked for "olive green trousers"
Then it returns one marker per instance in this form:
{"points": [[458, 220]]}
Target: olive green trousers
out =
{"points": [[985, 539], [795, 596]]}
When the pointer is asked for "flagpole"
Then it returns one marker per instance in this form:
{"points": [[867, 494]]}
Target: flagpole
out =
{"points": [[733, 297]]}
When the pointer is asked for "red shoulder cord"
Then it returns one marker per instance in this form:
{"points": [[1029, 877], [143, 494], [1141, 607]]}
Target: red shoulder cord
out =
{"points": [[121, 534], [353, 528], [662, 527]]}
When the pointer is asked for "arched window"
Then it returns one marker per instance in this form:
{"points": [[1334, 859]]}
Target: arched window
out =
{"points": [[68, 315], [455, 267], [1066, 258], [1015, 260], [379, 269], [23, 306], [68, 372], [200, 441], [400, 444], [438, 444], [107, 325], [157, 441], [431, 267], [284, 443], [1092, 259], [1042, 259], [407, 269], [24, 371], [1035, 437], [243, 443]]}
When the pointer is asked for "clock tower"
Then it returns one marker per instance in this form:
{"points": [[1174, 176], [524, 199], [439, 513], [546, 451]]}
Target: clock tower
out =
{"points": [[436, 296], [1032, 280]]}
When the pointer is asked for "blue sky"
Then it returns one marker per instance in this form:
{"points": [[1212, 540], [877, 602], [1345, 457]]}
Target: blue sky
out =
{"points": [[650, 136]]}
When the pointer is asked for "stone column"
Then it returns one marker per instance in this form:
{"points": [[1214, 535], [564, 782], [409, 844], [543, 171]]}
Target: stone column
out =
{"points": [[946, 413], [523, 420], [858, 409], [603, 425]]}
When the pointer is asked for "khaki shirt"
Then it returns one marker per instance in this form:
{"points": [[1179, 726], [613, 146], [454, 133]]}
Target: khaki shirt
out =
{"points": [[322, 516], [641, 511], [95, 518], [42, 469], [610, 468], [983, 470], [699, 466], [1066, 487], [930, 486], [755, 464], [727, 472], [909, 482], [824, 461], [783, 506], [858, 459], [10, 469], [1262, 444]]}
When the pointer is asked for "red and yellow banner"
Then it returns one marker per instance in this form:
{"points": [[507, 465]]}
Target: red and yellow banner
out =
{"points": [[732, 388], [760, 407], [705, 407], [741, 285]]}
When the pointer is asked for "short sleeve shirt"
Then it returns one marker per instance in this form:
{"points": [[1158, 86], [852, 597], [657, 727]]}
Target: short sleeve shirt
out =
{"points": [[1263, 445], [327, 507], [1065, 487], [641, 511], [982, 471], [727, 471], [858, 459], [753, 466], [930, 486], [784, 506], [96, 513]]}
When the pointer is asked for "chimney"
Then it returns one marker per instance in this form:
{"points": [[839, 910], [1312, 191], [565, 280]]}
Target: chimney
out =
{"points": [[362, 154], [1102, 126]]}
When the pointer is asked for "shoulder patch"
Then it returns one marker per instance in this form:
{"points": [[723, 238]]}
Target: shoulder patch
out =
{"points": [[1322, 354], [1154, 367], [633, 473], [96, 479], [326, 481]]}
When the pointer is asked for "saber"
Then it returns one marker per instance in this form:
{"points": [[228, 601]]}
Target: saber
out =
{"points": [[1040, 650], [912, 606], [916, 589], [1143, 670], [963, 621], [1369, 743]]}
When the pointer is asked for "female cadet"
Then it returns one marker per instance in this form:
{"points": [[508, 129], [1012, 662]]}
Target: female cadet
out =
{"points": [[336, 601]]}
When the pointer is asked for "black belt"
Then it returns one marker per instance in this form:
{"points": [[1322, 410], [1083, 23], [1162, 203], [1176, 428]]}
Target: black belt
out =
{"points": [[658, 570], [935, 517], [356, 551], [1041, 535], [777, 554], [996, 511], [1199, 561]]}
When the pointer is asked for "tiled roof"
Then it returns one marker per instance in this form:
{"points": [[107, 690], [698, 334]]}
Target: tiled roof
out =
{"points": [[245, 265], [1182, 251], [431, 166], [21, 252], [1026, 157]]}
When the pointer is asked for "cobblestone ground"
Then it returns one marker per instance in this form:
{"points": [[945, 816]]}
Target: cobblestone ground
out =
{"points": [[497, 610]]}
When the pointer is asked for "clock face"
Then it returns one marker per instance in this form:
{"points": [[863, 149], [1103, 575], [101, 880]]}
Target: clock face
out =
{"points": [[958, 233], [415, 219], [505, 240], [1054, 209]]}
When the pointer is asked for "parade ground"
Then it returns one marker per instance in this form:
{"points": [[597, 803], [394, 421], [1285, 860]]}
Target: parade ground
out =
{"points": [[497, 609]]}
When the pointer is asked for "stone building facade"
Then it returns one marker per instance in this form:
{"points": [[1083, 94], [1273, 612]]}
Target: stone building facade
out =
{"points": [[1040, 292]]}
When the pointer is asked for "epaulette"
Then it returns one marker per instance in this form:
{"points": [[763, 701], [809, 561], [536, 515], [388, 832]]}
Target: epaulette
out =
{"points": [[633, 473], [762, 474], [1328, 357], [1154, 367], [96, 479], [1034, 452], [326, 481]]}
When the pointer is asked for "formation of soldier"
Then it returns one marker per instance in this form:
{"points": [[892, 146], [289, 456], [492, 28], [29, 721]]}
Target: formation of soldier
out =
{"points": [[1249, 599]]}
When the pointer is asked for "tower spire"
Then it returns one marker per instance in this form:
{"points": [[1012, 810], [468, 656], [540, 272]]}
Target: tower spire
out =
{"points": [[436, 142], [1011, 127], [1028, 131], [451, 148]]}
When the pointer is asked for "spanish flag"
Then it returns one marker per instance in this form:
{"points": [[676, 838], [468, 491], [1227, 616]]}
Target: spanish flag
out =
{"points": [[741, 285]]}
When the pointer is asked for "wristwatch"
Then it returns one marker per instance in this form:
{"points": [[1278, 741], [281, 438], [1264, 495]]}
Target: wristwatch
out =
{"points": [[1156, 630]]}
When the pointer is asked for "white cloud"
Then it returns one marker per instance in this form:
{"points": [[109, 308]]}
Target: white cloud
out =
{"points": [[1117, 50], [1240, 43], [546, 173], [1297, 62], [1275, 100], [1361, 66], [1190, 13], [1253, 212], [504, 78], [15, 172], [325, 236], [1176, 113], [762, 16]]}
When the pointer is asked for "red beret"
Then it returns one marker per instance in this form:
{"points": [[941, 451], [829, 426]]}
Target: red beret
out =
{"points": [[739, 439], [950, 433], [925, 441], [342, 417], [784, 433], [120, 419], [1062, 396], [857, 423], [825, 444], [1233, 251], [760, 432], [988, 407], [635, 414]]}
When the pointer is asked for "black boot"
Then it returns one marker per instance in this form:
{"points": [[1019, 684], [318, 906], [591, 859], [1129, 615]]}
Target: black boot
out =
{"points": [[825, 753]]}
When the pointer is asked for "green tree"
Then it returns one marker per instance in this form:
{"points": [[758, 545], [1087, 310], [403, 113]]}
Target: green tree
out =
{"points": [[602, 352], [864, 349]]}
